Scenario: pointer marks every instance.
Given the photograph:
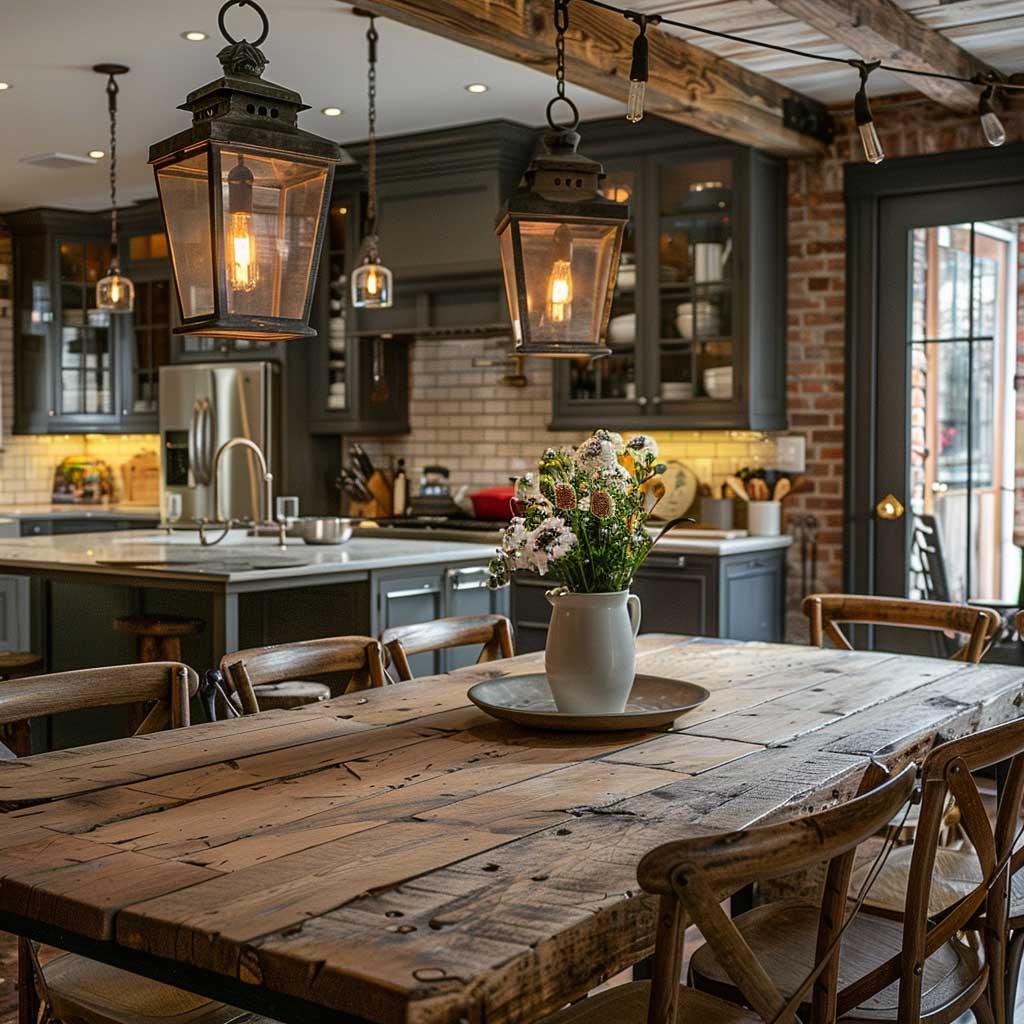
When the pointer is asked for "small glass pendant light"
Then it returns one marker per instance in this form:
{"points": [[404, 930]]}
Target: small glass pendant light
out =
{"points": [[372, 282], [115, 293], [873, 151]]}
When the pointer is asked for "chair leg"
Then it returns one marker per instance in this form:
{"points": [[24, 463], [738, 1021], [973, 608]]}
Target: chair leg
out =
{"points": [[28, 994], [982, 1011], [1014, 955]]}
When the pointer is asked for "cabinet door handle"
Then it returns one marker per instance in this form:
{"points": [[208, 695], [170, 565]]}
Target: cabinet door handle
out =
{"points": [[642, 401], [656, 401], [681, 562], [411, 592]]}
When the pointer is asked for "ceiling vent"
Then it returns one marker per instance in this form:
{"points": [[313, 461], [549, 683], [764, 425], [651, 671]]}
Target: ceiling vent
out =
{"points": [[58, 161]]}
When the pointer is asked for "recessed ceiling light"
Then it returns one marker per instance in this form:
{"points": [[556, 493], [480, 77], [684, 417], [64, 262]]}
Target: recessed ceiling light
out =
{"points": [[4, 86], [97, 154], [477, 87], [194, 36], [331, 111]]}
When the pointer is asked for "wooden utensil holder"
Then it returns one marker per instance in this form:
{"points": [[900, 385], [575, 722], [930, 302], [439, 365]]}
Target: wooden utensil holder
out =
{"points": [[381, 505]]}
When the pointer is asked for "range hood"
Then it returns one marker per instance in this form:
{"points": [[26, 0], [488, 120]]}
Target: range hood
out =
{"points": [[439, 194]]}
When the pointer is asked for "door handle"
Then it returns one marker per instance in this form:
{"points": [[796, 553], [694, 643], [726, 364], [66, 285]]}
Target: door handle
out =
{"points": [[890, 507]]}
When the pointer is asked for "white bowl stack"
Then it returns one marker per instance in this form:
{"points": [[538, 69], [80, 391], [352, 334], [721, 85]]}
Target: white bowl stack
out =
{"points": [[718, 382]]}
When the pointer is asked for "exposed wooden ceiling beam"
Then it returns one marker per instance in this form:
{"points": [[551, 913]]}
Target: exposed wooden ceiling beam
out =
{"points": [[687, 84], [881, 30]]}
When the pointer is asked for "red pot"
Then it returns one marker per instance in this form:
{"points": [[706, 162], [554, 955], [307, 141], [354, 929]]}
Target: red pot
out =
{"points": [[493, 503]]}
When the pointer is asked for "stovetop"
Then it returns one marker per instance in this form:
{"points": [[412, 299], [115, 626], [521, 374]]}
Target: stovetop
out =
{"points": [[441, 523]]}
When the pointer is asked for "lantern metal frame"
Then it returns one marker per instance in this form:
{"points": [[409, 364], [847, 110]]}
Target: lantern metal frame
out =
{"points": [[560, 186], [242, 114]]}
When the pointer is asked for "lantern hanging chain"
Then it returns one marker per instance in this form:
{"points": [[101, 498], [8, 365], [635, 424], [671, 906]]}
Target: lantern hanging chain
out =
{"points": [[981, 79], [561, 27], [371, 79], [112, 90]]}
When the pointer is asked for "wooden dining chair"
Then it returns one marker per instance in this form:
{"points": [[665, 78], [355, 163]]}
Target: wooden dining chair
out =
{"points": [[827, 612], [494, 632], [910, 963], [71, 988], [360, 657], [691, 877]]}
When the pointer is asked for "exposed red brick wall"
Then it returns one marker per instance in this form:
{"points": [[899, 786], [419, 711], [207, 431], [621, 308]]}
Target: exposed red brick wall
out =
{"points": [[817, 297]]}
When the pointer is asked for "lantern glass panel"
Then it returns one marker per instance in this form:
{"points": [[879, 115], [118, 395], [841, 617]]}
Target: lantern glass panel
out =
{"points": [[566, 289], [270, 231], [509, 271], [185, 198]]}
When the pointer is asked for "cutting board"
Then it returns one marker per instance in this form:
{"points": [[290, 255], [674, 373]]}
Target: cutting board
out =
{"points": [[141, 475]]}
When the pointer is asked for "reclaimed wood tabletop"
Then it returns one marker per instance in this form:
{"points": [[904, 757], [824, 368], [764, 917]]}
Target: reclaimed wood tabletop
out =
{"points": [[397, 856]]}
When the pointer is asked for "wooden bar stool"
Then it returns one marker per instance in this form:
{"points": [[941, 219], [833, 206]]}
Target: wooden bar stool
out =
{"points": [[17, 665], [159, 636]]}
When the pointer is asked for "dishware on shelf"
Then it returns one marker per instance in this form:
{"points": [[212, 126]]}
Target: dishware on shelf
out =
{"points": [[626, 278], [676, 391], [718, 382], [764, 518], [708, 319], [708, 262], [652, 703], [622, 329]]}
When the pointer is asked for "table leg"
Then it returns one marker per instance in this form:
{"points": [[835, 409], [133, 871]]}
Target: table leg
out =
{"points": [[28, 996]]}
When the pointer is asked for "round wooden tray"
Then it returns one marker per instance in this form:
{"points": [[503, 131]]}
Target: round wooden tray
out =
{"points": [[526, 700]]}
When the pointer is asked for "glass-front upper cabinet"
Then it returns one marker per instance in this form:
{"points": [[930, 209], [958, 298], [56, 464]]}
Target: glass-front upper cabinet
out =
{"points": [[336, 266], [697, 331], [86, 371]]}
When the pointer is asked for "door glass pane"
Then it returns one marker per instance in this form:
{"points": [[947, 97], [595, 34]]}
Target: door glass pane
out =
{"points": [[337, 307], [614, 378], [695, 280], [964, 333]]}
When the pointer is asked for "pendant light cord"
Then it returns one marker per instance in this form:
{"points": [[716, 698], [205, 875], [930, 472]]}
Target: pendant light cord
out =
{"points": [[112, 91], [371, 88]]}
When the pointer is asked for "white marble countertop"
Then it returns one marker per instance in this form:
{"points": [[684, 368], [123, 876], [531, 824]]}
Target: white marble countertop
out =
{"points": [[152, 554], [738, 546], [31, 511]]}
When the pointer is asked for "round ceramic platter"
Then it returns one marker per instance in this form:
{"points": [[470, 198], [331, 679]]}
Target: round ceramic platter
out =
{"points": [[526, 700]]}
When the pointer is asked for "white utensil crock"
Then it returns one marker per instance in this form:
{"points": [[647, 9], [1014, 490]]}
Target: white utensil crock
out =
{"points": [[590, 657], [764, 518]]}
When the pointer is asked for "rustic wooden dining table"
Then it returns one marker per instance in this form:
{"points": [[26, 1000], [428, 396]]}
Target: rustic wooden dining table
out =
{"points": [[397, 856]]}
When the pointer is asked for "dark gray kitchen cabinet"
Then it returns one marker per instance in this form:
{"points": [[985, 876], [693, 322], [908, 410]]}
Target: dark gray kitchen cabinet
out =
{"points": [[740, 597], [697, 329], [404, 597]]}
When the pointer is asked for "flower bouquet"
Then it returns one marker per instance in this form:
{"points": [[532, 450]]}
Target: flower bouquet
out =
{"points": [[582, 519]]}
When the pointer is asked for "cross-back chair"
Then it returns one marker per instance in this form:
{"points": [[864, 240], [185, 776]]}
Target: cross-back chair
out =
{"points": [[691, 877], [361, 657], [71, 988], [914, 965], [827, 612], [494, 632]]}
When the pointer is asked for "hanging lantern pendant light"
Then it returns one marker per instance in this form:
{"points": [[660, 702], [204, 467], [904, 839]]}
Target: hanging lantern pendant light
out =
{"points": [[244, 193], [560, 239], [372, 282], [115, 293]]}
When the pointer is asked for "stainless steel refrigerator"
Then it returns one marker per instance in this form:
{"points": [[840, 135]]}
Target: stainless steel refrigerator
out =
{"points": [[202, 405]]}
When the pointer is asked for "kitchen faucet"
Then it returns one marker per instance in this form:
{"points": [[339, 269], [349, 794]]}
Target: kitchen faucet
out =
{"points": [[268, 492]]}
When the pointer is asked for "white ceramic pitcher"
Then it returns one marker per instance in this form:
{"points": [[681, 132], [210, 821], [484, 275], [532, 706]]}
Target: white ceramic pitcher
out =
{"points": [[590, 656]]}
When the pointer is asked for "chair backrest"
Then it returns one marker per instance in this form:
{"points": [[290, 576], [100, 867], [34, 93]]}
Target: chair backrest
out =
{"points": [[825, 613], [493, 631], [361, 656], [692, 876], [167, 685], [947, 771]]}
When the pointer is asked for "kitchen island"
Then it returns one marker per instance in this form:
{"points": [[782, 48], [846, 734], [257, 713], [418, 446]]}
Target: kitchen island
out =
{"points": [[247, 590]]}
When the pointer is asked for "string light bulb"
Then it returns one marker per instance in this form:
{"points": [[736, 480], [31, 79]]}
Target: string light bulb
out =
{"points": [[873, 151], [639, 72], [995, 133]]}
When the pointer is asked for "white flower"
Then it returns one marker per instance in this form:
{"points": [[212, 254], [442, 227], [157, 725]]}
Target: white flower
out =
{"points": [[584, 503], [596, 454], [526, 487], [642, 446], [615, 440], [551, 541], [617, 474]]}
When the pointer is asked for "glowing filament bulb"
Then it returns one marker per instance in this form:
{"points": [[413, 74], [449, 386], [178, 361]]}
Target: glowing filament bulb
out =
{"points": [[372, 282], [560, 287], [115, 292], [245, 268]]}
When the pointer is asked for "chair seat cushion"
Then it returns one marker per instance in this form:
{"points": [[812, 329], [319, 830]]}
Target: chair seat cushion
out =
{"points": [[90, 992], [783, 936], [627, 1004]]}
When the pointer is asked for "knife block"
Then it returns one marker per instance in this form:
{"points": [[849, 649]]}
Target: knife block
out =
{"points": [[381, 505]]}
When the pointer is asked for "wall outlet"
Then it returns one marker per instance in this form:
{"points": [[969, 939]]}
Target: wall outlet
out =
{"points": [[791, 453]]}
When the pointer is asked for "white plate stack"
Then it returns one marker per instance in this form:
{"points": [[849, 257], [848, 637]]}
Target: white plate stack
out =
{"points": [[718, 382]]}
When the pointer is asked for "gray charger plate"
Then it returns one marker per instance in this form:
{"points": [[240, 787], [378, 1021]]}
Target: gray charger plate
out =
{"points": [[526, 700]]}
